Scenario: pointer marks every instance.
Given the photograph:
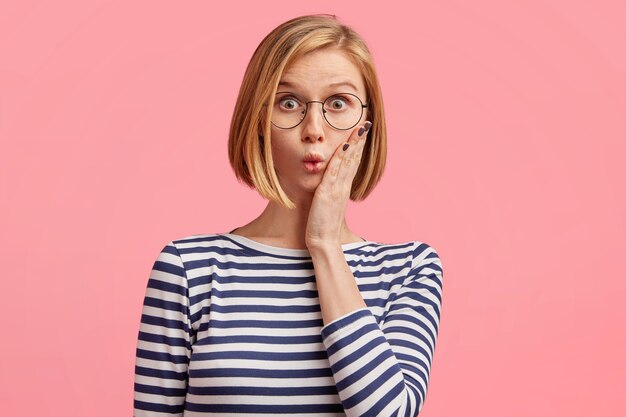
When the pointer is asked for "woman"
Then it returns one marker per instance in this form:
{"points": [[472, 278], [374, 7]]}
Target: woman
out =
{"points": [[294, 313]]}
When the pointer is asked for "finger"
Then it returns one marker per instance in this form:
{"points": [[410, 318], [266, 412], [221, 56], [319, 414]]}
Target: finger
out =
{"points": [[336, 165], [359, 133], [351, 157]]}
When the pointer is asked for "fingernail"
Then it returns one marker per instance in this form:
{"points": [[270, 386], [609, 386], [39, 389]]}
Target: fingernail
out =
{"points": [[361, 130], [346, 146], [368, 124]]}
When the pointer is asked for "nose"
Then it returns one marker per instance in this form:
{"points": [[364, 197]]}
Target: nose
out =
{"points": [[313, 123]]}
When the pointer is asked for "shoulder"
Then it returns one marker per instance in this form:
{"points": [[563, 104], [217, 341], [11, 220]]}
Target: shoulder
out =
{"points": [[424, 253], [198, 239], [183, 248], [419, 256], [415, 254], [199, 249], [200, 242], [426, 267], [416, 250]]}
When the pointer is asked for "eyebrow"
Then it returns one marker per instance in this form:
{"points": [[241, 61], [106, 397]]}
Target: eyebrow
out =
{"points": [[346, 83]]}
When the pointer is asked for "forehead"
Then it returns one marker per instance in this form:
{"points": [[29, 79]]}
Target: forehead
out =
{"points": [[326, 69]]}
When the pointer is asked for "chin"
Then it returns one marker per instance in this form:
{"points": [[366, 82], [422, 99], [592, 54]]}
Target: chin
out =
{"points": [[306, 186], [312, 180]]}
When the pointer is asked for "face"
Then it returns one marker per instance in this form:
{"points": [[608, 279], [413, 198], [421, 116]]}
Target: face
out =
{"points": [[310, 77]]}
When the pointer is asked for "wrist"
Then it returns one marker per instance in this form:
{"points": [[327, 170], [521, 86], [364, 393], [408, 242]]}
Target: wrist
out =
{"points": [[320, 248]]}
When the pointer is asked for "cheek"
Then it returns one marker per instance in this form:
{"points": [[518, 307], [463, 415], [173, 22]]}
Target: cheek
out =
{"points": [[284, 157]]}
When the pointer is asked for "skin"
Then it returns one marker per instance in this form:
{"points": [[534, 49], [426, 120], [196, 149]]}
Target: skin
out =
{"points": [[318, 223]]}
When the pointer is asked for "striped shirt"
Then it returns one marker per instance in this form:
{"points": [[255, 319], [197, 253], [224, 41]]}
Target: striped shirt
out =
{"points": [[233, 327]]}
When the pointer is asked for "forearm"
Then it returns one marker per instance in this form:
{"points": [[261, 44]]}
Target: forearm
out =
{"points": [[381, 365], [369, 377], [337, 289]]}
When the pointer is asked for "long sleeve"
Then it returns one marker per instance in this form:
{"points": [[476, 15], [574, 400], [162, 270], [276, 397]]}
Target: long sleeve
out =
{"points": [[382, 369], [165, 339]]}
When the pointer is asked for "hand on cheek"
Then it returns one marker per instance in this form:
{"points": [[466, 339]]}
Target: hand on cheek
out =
{"points": [[331, 196]]}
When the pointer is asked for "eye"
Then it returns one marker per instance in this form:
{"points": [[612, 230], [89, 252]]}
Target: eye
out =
{"points": [[338, 102], [288, 103]]}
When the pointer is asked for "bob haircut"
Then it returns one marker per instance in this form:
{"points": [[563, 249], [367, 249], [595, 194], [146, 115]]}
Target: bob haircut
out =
{"points": [[249, 141]]}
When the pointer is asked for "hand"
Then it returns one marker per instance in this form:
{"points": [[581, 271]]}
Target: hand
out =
{"points": [[330, 200]]}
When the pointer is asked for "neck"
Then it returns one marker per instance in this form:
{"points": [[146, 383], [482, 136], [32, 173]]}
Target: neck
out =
{"points": [[287, 227]]}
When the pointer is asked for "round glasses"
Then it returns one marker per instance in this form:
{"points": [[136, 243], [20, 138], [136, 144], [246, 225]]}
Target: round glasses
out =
{"points": [[342, 111]]}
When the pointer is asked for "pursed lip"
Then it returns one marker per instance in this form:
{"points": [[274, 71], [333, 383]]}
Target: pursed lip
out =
{"points": [[313, 162], [313, 157]]}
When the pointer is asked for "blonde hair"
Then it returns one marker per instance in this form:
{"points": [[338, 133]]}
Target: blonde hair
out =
{"points": [[249, 152]]}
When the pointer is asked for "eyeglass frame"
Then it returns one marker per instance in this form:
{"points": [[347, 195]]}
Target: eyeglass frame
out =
{"points": [[306, 110]]}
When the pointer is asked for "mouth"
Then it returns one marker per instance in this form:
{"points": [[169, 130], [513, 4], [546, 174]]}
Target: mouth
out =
{"points": [[313, 167], [313, 162]]}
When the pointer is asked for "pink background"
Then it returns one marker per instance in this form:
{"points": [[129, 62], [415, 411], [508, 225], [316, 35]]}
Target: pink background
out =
{"points": [[507, 138]]}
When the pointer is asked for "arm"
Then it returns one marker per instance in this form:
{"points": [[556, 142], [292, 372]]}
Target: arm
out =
{"points": [[383, 370], [165, 339], [337, 289]]}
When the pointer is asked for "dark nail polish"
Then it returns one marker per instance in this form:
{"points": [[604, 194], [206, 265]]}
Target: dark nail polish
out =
{"points": [[360, 132], [346, 146], [368, 124]]}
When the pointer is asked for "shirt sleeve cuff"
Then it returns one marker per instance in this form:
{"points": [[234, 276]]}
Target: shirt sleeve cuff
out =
{"points": [[346, 324]]}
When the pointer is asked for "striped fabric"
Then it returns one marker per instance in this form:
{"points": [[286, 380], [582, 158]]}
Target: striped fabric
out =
{"points": [[232, 327]]}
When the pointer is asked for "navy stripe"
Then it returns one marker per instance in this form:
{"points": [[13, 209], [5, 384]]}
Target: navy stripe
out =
{"points": [[161, 408], [163, 322], [269, 340], [161, 356], [259, 373], [267, 356], [253, 308], [166, 286], [265, 391], [266, 324], [166, 392], [166, 305], [163, 266], [236, 409], [159, 373]]}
